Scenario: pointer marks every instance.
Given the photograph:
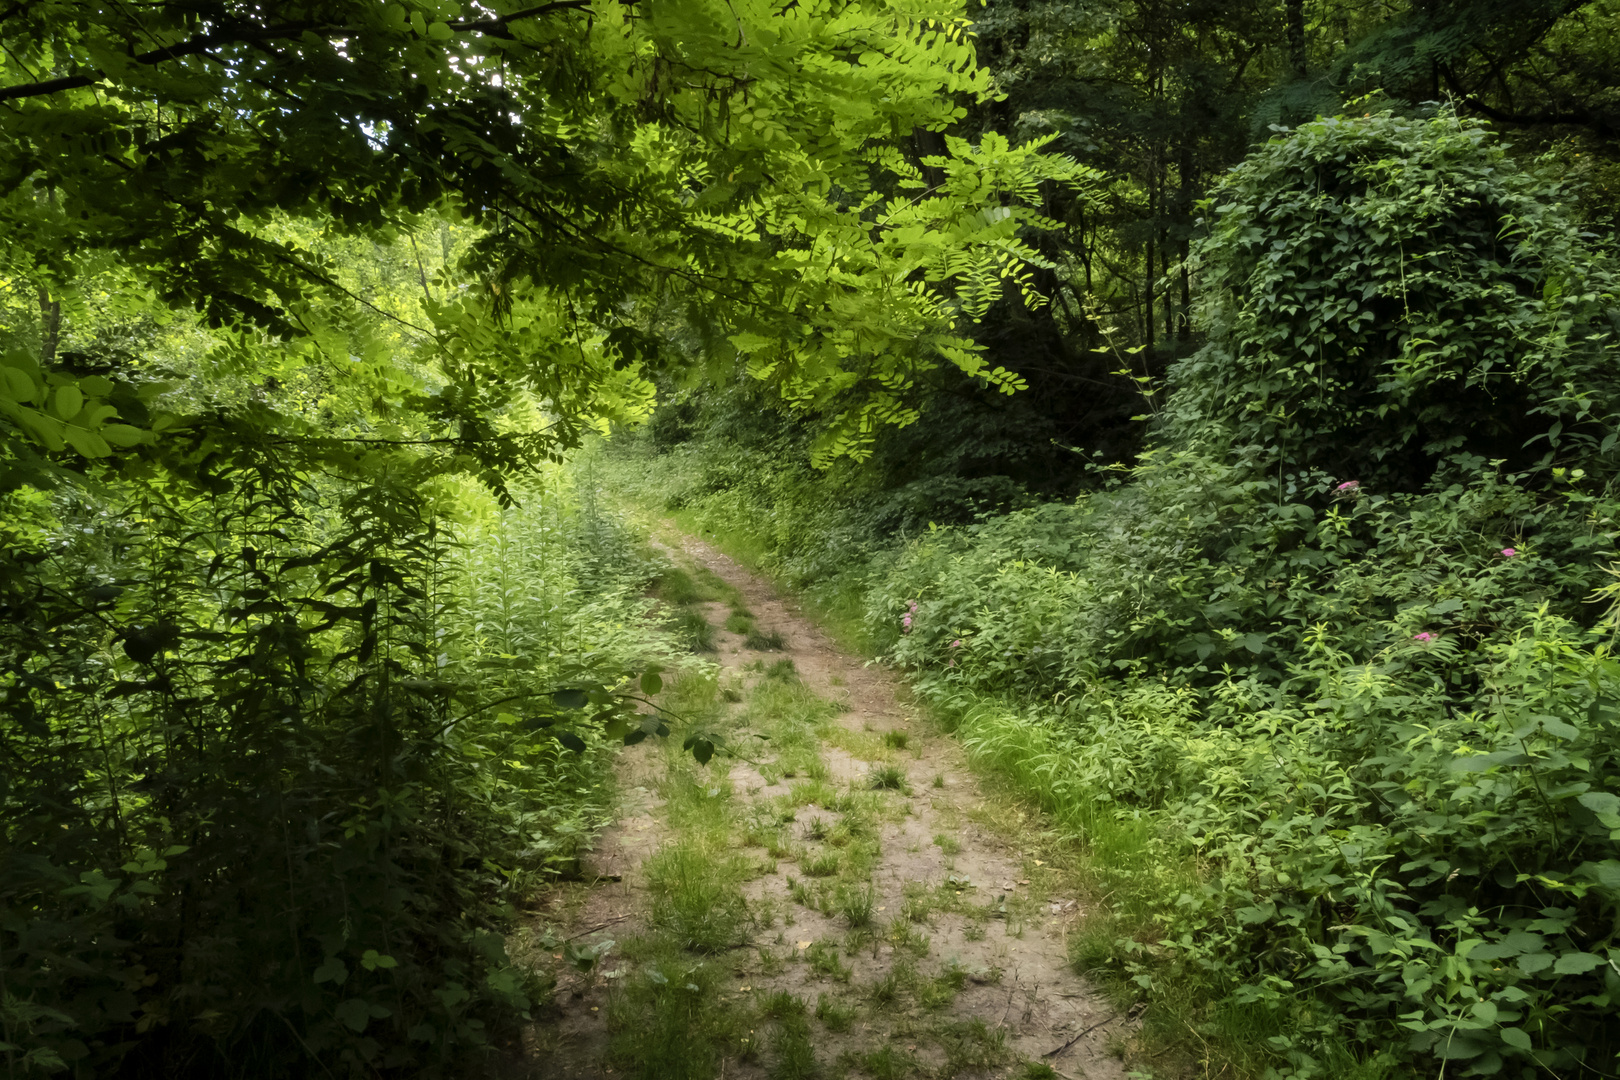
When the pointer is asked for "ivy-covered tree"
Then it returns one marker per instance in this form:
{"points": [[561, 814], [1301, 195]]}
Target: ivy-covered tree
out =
{"points": [[1385, 294]]}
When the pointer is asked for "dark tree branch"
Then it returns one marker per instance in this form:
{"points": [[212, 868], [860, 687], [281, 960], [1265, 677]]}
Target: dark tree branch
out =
{"points": [[255, 35], [195, 46], [1577, 117], [497, 26], [49, 86]]}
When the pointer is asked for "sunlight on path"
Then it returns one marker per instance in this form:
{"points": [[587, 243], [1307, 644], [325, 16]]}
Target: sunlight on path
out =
{"points": [[835, 900]]}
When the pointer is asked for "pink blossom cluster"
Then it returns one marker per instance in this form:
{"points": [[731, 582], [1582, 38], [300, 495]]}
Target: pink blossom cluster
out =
{"points": [[905, 620]]}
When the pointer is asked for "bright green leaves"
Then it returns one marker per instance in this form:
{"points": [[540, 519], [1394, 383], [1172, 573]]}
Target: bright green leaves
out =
{"points": [[732, 167], [618, 714], [56, 412], [885, 289]]}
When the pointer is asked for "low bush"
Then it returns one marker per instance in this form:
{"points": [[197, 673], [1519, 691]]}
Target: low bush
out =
{"points": [[1382, 728]]}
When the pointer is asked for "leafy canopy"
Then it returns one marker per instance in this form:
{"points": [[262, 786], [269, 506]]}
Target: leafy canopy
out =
{"points": [[722, 166]]}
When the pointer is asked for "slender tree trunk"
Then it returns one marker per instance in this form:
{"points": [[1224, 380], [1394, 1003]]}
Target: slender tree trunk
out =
{"points": [[1184, 201], [929, 144], [1147, 276], [50, 310], [1169, 307], [1294, 33], [50, 327]]}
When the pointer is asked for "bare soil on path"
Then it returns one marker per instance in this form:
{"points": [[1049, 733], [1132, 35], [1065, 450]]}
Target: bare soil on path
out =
{"points": [[957, 964]]}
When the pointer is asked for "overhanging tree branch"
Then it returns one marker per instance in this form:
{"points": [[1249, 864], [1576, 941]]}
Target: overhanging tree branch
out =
{"points": [[1578, 117], [248, 35]]}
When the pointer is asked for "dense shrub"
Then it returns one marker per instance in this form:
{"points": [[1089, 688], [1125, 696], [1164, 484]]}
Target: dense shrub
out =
{"points": [[1381, 292], [274, 767], [1390, 740]]}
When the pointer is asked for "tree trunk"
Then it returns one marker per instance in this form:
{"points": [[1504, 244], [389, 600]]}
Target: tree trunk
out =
{"points": [[1147, 276], [1294, 32], [50, 327]]}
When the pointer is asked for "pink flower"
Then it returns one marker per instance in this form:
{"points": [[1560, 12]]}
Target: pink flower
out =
{"points": [[957, 644], [1424, 637], [914, 607], [906, 622], [1349, 485], [1508, 553]]}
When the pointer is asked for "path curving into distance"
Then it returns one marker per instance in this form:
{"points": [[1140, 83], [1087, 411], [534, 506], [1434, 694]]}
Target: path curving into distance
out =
{"points": [[846, 901]]}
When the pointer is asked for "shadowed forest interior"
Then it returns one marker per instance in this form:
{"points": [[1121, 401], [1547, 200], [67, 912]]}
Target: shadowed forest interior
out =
{"points": [[1207, 408]]}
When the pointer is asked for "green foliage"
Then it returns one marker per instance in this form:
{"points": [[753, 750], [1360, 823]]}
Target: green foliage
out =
{"points": [[696, 898], [763, 640], [279, 758], [728, 168], [1341, 753], [1386, 737], [1383, 292], [668, 1023], [695, 628]]}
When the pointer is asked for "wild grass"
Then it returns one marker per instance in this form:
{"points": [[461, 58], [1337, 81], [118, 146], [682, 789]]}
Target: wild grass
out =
{"points": [[902, 935], [677, 588], [887, 778], [886, 1063], [695, 896], [822, 956], [898, 980], [855, 904], [690, 625], [793, 1057], [836, 1014], [812, 793], [972, 1044], [821, 864], [915, 903], [764, 640], [667, 1023]]}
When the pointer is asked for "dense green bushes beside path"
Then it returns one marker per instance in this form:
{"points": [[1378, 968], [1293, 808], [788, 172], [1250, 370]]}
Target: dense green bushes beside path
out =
{"points": [[1343, 746], [282, 765], [1381, 730]]}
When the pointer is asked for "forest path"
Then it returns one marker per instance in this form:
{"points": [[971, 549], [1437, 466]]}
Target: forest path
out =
{"points": [[847, 902]]}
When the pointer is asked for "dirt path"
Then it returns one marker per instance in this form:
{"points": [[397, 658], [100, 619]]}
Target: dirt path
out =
{"points": [[890, 921]]}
